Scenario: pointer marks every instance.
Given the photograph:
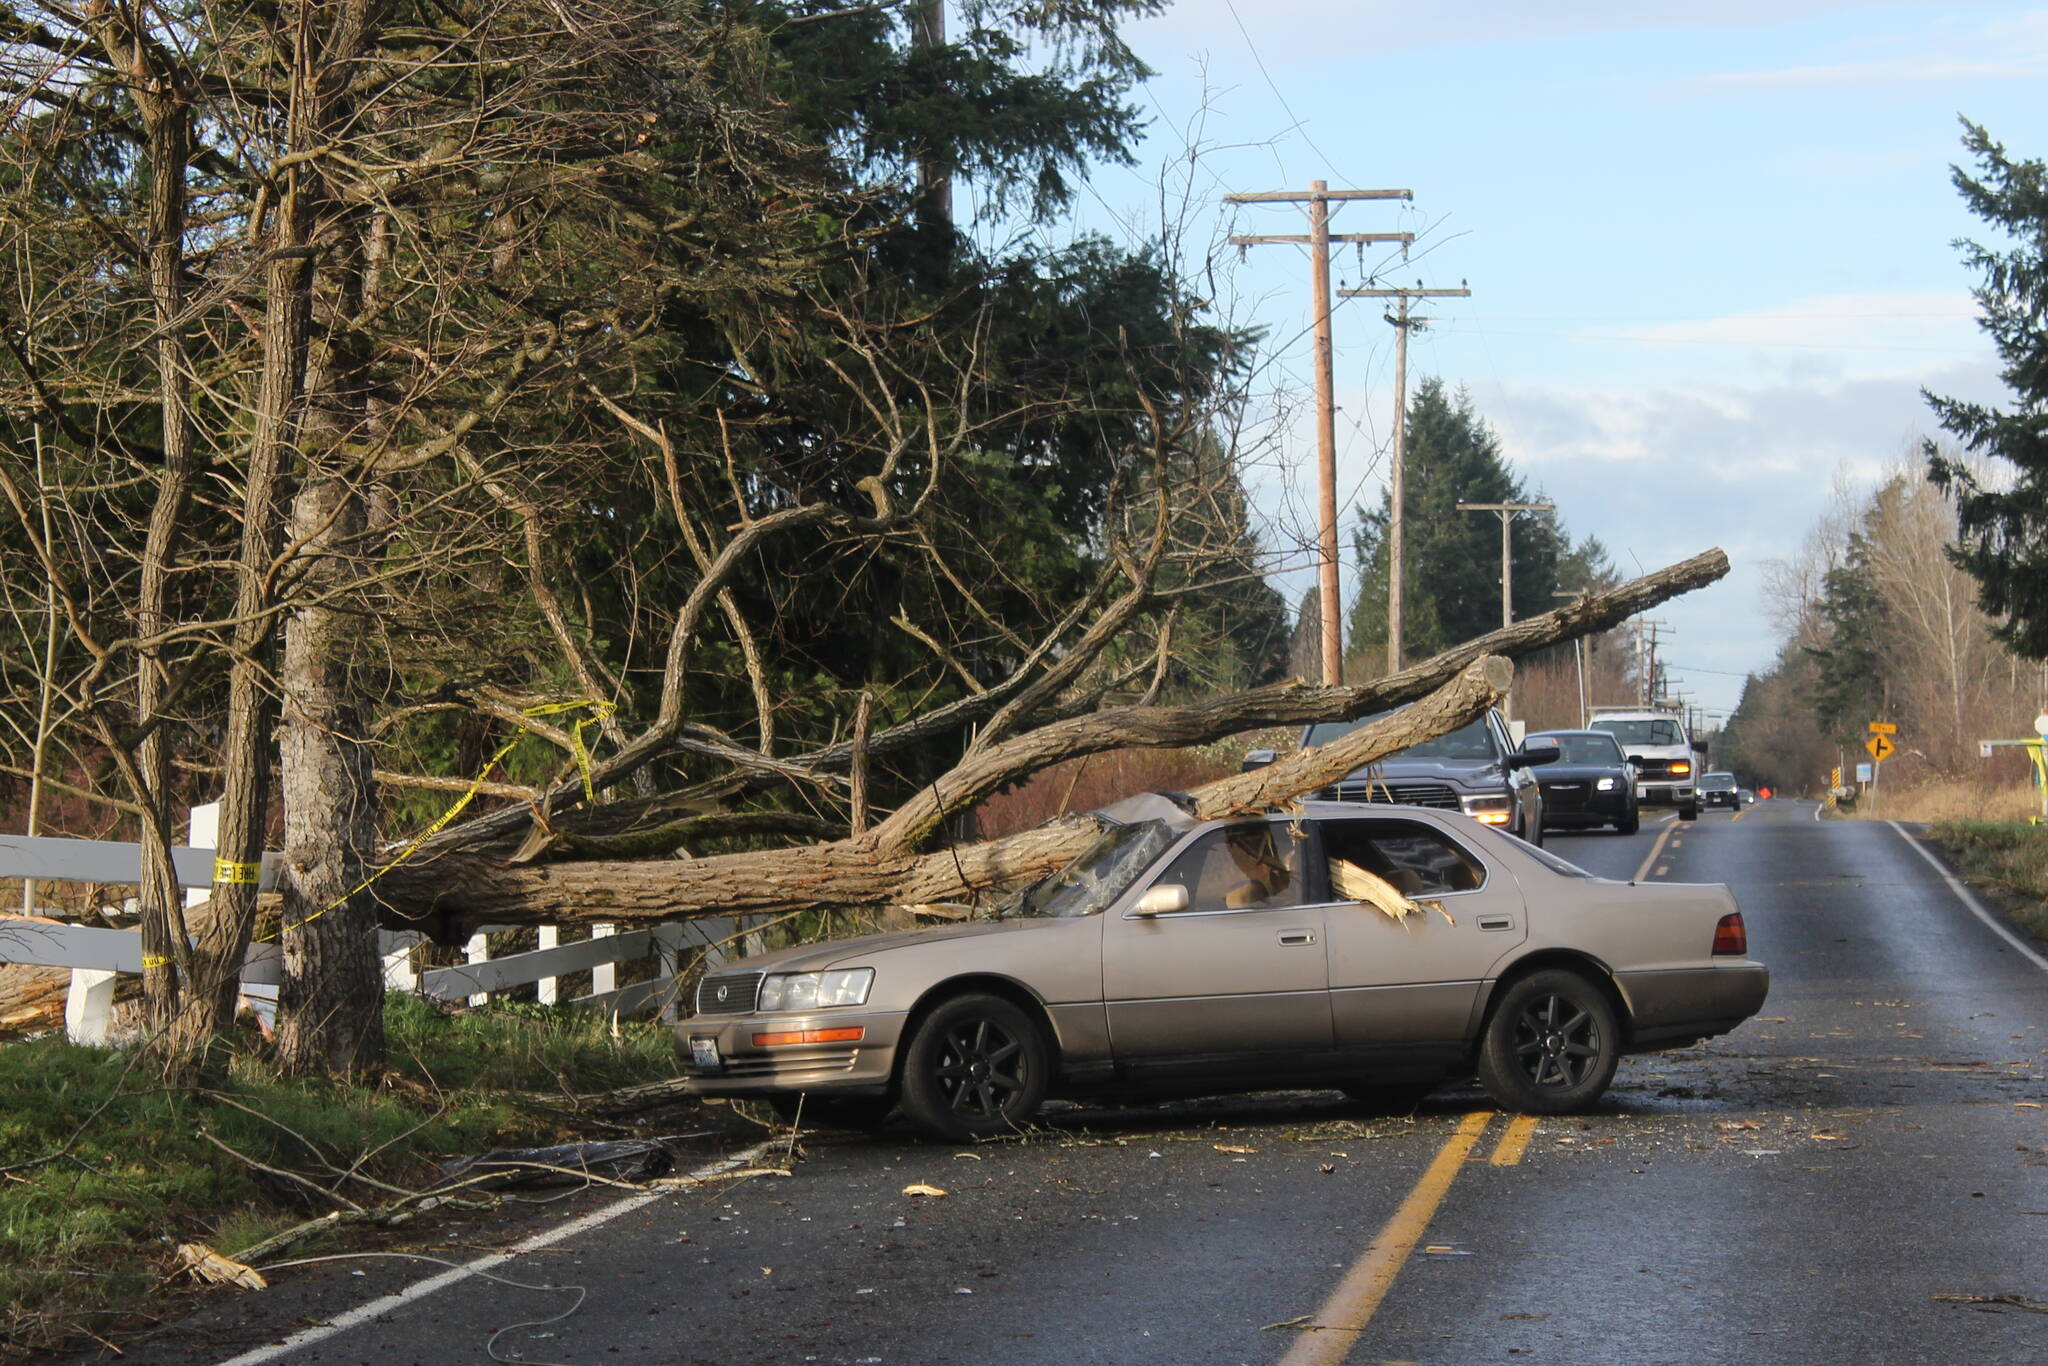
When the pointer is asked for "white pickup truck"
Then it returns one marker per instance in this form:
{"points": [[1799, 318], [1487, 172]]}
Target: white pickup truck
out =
{"points": [[1665, 758]]}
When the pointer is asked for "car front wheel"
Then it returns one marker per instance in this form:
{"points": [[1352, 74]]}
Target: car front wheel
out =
{"points": [[978, 1066], [1551, 1046], [1629, 823]]}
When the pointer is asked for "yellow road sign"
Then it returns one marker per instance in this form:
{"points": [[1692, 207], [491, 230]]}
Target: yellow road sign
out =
{"points": [[1883, 728], [1880, 746]]}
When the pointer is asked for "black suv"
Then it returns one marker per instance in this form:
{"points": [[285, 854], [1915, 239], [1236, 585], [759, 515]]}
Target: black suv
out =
{"points": [[1719, 789], [1475, 769]]}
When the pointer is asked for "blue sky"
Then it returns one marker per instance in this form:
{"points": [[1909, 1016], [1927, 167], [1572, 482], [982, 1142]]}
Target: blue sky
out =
{"points": [[1709, 246]]}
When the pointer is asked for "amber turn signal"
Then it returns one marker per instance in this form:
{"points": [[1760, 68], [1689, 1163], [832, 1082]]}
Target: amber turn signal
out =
{"points": [[850, 1034]]}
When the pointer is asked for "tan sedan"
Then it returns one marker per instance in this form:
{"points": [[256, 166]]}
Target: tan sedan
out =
{"points": [[1380, 949]]}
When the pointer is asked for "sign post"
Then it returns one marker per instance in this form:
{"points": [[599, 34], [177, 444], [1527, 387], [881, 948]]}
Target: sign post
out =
{"points": [[1881, 748]]}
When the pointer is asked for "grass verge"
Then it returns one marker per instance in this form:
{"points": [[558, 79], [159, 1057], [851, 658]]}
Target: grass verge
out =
{"points": [[104, 1168], [2008, 859]]}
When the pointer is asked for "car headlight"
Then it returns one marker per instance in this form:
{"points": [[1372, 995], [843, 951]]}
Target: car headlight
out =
{"points": [[1606, 785], [1486, 810], [815, 990]]}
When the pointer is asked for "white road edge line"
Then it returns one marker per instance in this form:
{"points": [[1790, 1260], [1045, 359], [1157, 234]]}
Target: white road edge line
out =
{"points": [[1969, 898], [419, 1290]]}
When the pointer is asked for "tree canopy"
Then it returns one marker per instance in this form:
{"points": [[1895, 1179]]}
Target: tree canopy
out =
{"points": [[2002, 523]]}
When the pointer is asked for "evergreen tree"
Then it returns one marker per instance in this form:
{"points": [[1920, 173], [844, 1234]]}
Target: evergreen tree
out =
{"points": [[1451, 590], [2002, 531]]}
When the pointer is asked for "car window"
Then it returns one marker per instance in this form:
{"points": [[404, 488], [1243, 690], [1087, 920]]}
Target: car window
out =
{"points": [[1583, 749], [1719, 782], [1465, 743], [1556, 864], [1418, 859], [1098, 876], [1648, 732], [1239, 868]]}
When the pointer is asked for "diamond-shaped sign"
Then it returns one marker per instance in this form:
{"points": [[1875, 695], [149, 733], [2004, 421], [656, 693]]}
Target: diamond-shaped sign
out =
{"points": [[1881, 747]]}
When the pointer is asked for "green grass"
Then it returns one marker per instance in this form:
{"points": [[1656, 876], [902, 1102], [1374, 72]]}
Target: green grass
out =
{"points": [[86, 1236], [2011, 857]]}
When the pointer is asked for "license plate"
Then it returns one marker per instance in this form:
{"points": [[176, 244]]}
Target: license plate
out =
{"points": [[704, 1052]]}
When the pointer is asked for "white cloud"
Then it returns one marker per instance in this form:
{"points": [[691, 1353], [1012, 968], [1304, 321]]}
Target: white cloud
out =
{"points": [[1660, 474], [2009, 49], [1844, 336]]}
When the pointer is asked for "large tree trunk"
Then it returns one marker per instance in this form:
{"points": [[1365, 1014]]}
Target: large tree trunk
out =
{"points": [[330, 1003], [454, 892], [469, 891]]}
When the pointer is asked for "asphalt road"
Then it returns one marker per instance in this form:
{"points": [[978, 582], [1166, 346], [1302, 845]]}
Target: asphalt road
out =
{"points": [[1860, 1175]]}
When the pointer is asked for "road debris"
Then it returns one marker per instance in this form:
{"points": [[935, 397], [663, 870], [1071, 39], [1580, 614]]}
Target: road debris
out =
{"points": [[209, 1266], [921, 1189]]}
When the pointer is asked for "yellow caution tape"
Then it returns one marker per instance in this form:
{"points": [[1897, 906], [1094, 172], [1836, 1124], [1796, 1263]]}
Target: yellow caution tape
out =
{"points": [[151, 962], [597, 710], [229, 871]]}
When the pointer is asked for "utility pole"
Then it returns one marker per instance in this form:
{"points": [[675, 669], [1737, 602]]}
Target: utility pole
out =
{"points": [[1506, 512], [1396, 475], [1318, 239], [1647, 638]]}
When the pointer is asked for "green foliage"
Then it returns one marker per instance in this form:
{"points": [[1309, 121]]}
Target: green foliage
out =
{"points": [[1852, 663], [2003, 524], [1451, 587], [85, 1237]]}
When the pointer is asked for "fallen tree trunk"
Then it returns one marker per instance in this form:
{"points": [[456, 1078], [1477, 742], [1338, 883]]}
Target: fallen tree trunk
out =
{"points": [[861, 871], [450, 895]]}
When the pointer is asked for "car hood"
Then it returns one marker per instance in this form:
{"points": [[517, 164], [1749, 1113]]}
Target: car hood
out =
{"points": [[1578, 772], [863, 949], [1454, 770]]}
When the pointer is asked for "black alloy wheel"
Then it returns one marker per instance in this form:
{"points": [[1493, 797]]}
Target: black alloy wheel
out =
{"points": [[978, 1066], [1551, 1045]]}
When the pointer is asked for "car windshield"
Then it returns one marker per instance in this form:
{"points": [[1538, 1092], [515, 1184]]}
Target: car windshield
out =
{"points": [[1646, 732], [1582, 749], [1467, 742], [1718, 782], [1097, 877]]}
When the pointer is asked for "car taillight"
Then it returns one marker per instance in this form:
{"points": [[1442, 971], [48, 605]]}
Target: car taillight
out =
{"points": [[1730, 937], [1679, 766]]}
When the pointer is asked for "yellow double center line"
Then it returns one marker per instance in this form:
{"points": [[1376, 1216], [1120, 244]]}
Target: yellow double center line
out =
{"points": [[1337, 1325]]}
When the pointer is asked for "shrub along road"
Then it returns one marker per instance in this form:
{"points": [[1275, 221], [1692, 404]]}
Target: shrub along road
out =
{"points": [[1860, 1174]]}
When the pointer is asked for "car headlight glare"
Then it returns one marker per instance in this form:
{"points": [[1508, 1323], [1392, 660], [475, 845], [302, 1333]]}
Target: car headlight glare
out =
{"points": [[1606, 785], [815, 990]]}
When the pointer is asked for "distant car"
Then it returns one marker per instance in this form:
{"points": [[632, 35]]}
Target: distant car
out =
{"points": [[1719, 789], [1666, 758], [1748, 796], [1181, 956], [1476, 769], [1591, 784]]}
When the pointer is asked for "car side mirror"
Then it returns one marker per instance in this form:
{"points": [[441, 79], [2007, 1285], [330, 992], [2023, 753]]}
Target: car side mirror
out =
{"points": [[1699, 747], [1534, 755], [1637, 760], [1164, 899], [1257, 758]]}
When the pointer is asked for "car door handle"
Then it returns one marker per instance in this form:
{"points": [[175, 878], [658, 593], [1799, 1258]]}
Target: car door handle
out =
{"points": [[1496, 922], [1292, 937]]}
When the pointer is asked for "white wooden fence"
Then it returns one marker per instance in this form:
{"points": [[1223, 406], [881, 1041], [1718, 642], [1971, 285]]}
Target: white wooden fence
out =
{"points": [[96, 956]]}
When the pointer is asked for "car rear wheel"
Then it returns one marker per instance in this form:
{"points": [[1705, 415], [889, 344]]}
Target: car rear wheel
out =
{"points": [[1551, 1046], [977, 1066]]}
